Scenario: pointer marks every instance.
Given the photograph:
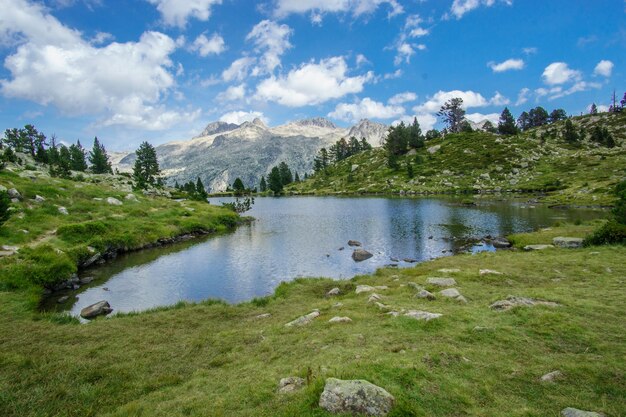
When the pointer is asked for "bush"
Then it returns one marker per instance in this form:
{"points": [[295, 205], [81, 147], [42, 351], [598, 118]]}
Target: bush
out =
{"points": [[611, 233], [5, 203]]}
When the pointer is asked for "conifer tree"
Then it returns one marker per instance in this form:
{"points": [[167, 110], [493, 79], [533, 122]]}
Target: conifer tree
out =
{"points": [[285, 173], [5, 203], [263, 184], [453, 114], [77, 154], [416, 139], [200, 190], [506, 124], [146, 169], [238, 186], [569, 134], [64, 162], [99, 159], [274, 181], [593, 109]]}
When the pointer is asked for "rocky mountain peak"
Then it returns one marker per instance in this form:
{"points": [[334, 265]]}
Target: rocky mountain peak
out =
{"points": [[316, 121], [258, 122], [217, 127], [374, 132]]}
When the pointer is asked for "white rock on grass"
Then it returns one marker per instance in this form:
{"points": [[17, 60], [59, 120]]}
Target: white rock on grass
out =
{"points": [[422, 315], [363, 288], [304, 320], [425, 294], [441, 282], [290, 384], [514, 301], [454, 294], [39, 199], [63, 211], [448, 270], [551, 376], [374, 297], [489, 272], [114, 201], [574, 412], [356, 397], [264, 316], [537, 247], [131, 197], [340, 320], [333, 292]]}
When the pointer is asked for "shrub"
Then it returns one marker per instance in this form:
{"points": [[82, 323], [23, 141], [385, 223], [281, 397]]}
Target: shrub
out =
{"points": [[610, 233], [5, 203]]}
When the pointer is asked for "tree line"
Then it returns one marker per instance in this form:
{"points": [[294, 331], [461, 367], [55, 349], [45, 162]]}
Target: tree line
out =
{"points": [[339, 151]]}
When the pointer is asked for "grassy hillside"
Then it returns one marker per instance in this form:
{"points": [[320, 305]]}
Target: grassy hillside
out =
{"points": [[51, 244], [483, 162], [212, 359]]}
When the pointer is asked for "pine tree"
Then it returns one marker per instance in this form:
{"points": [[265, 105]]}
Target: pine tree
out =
{"points": [[64, 163], [320, 162], [146, 170], [263, 184], [53, 151], [569, 134], [275, 183], [557, 115], [453, 114], [285, 173], [416, 139], [538, 116], [200, 190], [593, 109], [99, 159], [77, 154], [365, 146], [5, 203], [238, 186], [297, 177], [506, 124], [524, 121]]}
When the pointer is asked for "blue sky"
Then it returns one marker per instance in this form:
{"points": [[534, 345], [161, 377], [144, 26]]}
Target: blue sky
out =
{"points": [[159, 70]]}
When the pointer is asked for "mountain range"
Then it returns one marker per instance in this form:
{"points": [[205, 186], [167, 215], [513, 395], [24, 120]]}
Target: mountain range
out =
{"points": [[224, 151]]}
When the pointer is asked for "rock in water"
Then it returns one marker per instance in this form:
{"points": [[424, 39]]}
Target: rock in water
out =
{"points": [[360, 255], [290, 384], [101, 308], [568, 242], [354, 243], [355, 397], [574, 412]]}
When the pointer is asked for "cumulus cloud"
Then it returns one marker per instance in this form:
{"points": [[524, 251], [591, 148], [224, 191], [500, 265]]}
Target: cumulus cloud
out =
{"points": [[560, 73], [426, 121], [312, 83], [460, 7], [365, 109], [401, 98], [238, 117], [393, 75], [178, 12], [233, 93], [239, 69], [604, 68], [577, 87], [317, 7], [271, 40], [470, 99], [522, 97], [125, 83], [207, 46], [508, 65], [494, 118]]}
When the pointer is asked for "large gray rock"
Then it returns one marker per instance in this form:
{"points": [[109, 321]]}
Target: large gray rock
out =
{"points": [[114, 201], [433, 149], [355, 397], [63, 211], [334, 291], [574, 412], [422, 315], [454, 294], [514, 301], [304, 320], [568, 242], [501, 243], [425, 294], [364, 288], [361, 255], [290, 384], [354, 243], [101, 308], [13, 193], [441, 282]]}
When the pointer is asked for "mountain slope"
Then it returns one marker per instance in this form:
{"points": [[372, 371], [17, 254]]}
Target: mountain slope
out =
{"points": [[481, 162], [224, 152]]}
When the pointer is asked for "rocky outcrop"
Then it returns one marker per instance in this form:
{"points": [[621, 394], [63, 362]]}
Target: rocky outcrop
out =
{"points": [[422, 315], [355, 397], [568, 242], [304, 320], [290, 384], [574, 412], [514, 301], [441, 282]]}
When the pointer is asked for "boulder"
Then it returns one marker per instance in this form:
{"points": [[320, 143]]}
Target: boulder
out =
{"points": [[13, 193], [434, 149], [574, 412], [86, 280], [354, 167], [114, 201], [422, 315], [568, 242], [340, 320], [374, 297], [39, 199], [290, 384], [63, 211], [425, 294], [551, 376], [304, 320], [363, 288], [334, 291], [441, 282], [489, 272], [355, 397], [131, 197], [361, 255], [354, 243], [537, 247], [514, 301], [98, 309], [450, 293], [501, 243]]}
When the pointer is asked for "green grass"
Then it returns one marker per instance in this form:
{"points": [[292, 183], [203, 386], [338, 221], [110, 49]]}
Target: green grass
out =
{"points": [[571, 175], [216, 359]]}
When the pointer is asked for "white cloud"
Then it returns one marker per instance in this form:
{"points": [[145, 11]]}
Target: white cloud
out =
{"points": [[238, 117], [577, 87], [393, 75], [233, 93], [522, 97], [401, 98], [530, 50], [460, 7], [470, 99], [177, 12], [207, 46], [601, 108], [499, 100], [405, 49], [560, 73], [317, 7], [604, 68], [361, 60], [426, 121], [101, 38], [365, 109], [239, 69], [494, 118], [54, 65], [272, 40], [508, 65], [404, 53], [312, 83]]}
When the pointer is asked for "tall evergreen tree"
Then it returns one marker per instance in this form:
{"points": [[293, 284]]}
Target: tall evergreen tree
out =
{"points": [[286, 176], [557, 115], [146, 169], [99, 159], [200, 190], [569, 133], [416, 139], [506, 124], [77, 154], [593, 109], [453, 114], [53, 151], [274, 180], [296, 178], [263, 184], [64, 163], [365, 146], [538, 116], [238, 186], [524, 122], [320, 162]]}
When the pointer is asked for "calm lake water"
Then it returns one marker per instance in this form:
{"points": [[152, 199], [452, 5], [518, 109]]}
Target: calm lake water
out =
{"points": [[301, 237]]}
